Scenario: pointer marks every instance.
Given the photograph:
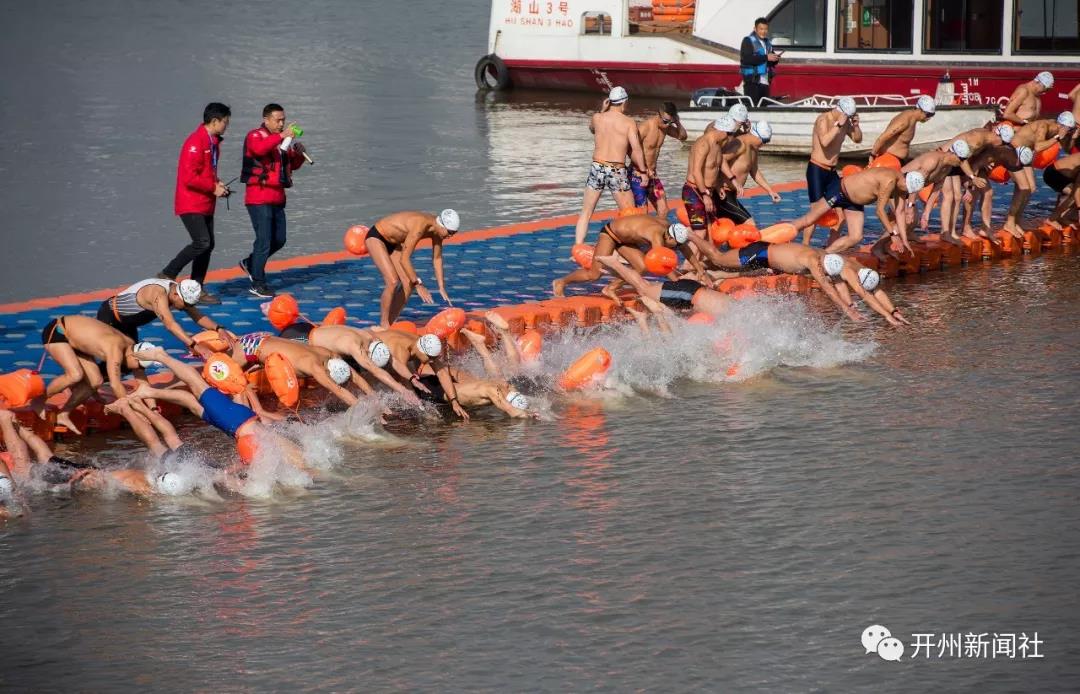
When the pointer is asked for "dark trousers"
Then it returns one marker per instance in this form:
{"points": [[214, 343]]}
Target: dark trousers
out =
{"points": [[755, 91], [200, 227], [269, 224]]}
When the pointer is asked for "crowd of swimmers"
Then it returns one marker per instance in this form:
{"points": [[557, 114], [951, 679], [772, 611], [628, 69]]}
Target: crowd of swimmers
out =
{"points": [[412, 365]]}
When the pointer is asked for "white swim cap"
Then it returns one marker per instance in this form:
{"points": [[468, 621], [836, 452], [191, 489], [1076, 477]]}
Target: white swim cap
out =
{"points": [[725, 124], [173, 484], [1005, 132], [846, 105], [517, 400], [834, 263], [869, 279], [1067, 119], [914, 182], [1026, 155], [1046, 79], [739, 113], [7, 487], [617, 95], [961, 149], [430, 345], [190, 291], [339, 371], [142, 347], [763, 130], [679, 232], [926, 104], [379, 353], [449, 220]]}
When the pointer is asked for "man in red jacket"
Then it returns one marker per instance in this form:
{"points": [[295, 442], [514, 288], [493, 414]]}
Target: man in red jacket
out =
{"points": [[271, 154], [197, 191]]}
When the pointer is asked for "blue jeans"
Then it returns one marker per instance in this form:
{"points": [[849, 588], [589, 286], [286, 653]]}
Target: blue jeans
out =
{"points": [[269, 224]]}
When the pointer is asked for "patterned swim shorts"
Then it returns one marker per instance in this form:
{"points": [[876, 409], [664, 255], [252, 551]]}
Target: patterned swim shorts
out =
{"points": [[611, 176]]}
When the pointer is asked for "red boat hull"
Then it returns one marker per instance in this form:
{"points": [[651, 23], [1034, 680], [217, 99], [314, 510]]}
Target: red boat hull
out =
{"points": [[974, 84]]}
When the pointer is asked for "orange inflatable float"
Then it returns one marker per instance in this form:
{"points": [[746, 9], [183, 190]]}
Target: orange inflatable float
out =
{"points": [[925, 193], [631, 212], [18, 388], [405, 326], [589, 368], [529, 345], [850, 170], [283, 381], [247, 447], [211, 340], [886, 161], [999, 174], [582, 253], [283, 311], [681, 215], [446, 322], [743, 235], [829, 220], [1046, 157], [661, 261], [719, 230], [784, 232], [223, 373], [355, 238], [335, 316]]}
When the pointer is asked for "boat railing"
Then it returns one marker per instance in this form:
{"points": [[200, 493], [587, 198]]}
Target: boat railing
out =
{"points": [[815, 101]]}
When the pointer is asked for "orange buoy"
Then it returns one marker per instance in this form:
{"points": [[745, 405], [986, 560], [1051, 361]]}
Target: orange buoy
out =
{"points": [[999, 174], [18, 388], [682, 216], [886, 161], [631, 212], [211, 340], [248, 447], [701, 318], [829, 220], [743, 235], [582, 253], [661, 261], [589, 367], [850, 170], [283, 311], [221, 372], [405, 326], [783, 232], [355, 238], [529, 344], [719, 230], [924, 194], [335, 316], [446, 322], [283, 381], [1046, 157]]}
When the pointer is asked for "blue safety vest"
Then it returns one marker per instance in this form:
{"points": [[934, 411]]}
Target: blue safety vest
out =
{"points": [[763, 48]]}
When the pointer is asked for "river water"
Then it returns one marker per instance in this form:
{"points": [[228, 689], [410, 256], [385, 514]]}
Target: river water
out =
{"points": [[682, 530]]}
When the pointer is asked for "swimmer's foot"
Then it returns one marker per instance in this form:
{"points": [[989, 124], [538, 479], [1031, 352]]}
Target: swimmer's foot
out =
{"points": [[609, 292], [64, 420], [116, 406], [558, 288], [1054, 224], [654, 306], [475, 339], [142, 391], [641, 318], [986, 234], [1015, 230], [497, 321]]}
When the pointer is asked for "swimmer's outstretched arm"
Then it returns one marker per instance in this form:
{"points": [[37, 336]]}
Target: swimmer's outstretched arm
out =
{"points": [[817, 271], [442, 372], [15, 444], [361, 358]]}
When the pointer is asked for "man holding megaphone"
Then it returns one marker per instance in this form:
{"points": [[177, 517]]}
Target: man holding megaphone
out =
{"points": [[272, 152]]}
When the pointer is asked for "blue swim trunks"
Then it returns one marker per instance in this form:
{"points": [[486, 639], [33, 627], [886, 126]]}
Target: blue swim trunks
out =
{"points": [[821, 182], [755, 256], [645, 194], [223, 413]]}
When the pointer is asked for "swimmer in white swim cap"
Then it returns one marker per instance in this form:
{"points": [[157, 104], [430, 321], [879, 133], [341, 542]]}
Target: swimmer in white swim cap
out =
{"points": [[831, 128], [896, 138]]}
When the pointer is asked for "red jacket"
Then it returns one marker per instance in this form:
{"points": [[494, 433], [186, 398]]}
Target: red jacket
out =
{"points": [[196, 173], [267, 170]]}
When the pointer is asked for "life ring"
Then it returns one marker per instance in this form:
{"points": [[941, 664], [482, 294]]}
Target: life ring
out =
{"points": [[582, 253], [18, 388], [886, 161], [491, 74], [829, 220], [355, 238], [850, 170], [282, 377], [590, 367], [405, 326]]}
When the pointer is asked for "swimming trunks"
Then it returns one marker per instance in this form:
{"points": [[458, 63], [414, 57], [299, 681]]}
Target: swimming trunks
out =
{"points": [[221, 412], [729, 207], [374, 233], [437, 395], [679, 294], [53, 333], [821, 182], [298, 332], [646, 193], [695, 206], [251, 343], [955, 171], [755, 256], [840, 199], [611, 176], [1055, 179]]}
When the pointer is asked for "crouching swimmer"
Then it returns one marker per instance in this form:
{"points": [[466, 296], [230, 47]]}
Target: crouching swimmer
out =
{"points": [[408, 353], [845, 272]]}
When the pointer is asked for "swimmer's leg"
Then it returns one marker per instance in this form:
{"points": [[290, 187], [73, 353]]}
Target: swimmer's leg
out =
{"points": [[401, 297], [184, 398], [20, 453], [604, 246], [635, 280], [185, 372], [588, 206], [660, 311], [1021, 192], [642, 320], [162, 426], [479, 344], [391, 285], [854, 219], [509, 345], [807, 221]]}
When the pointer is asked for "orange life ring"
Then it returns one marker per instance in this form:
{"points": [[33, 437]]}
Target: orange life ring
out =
{"points": [[719, 230], [589, 367], [582, 253], [224, 374], [924, 194], [18, 388], [784, 232], [283, 381], [283, 311], [529, 345], [661, 261], [446, 322], [336, 316], [355, 239]]}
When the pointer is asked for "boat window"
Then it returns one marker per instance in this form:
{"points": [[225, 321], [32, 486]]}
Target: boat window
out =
{"points": [[798, 23], [874, 25], [963, 25], [1047, 26], [596, 23]]}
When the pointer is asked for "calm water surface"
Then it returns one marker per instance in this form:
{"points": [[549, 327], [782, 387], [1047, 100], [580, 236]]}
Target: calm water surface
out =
{"points": [[680, 532]]}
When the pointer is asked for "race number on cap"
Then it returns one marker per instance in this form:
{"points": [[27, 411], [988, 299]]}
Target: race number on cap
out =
{"points": [[339, 371], [1026, 155], [869, 279], [914, 182], [763, 130], [1046, 79], [1005, 132], [430, 345]]}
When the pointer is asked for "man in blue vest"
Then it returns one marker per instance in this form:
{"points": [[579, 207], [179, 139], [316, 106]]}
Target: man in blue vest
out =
{"points": [[757, 61]]}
